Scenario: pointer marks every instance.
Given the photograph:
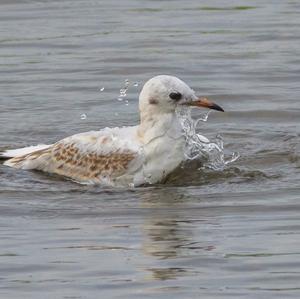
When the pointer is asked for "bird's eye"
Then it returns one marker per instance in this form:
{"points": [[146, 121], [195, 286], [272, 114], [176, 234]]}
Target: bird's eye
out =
{"points": [[175, 96]]}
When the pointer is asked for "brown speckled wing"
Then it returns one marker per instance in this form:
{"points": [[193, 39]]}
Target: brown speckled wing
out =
{"points": [[68, 160], [96, 156]]}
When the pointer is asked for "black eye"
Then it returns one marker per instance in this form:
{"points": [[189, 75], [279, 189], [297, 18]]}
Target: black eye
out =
{"points": [[175, 96]]}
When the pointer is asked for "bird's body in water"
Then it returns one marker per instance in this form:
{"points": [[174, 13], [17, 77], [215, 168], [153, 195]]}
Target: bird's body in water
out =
{"points": [[127, 156]]}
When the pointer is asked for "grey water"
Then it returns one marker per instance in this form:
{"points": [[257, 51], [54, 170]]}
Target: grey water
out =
{"points": [[231, 233]]}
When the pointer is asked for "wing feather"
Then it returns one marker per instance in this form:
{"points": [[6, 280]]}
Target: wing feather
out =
{"points": [[100, 156]]}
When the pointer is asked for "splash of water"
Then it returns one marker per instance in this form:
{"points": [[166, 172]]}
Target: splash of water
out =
{"points": [[123, 92], [211, 152], [124, 89]]}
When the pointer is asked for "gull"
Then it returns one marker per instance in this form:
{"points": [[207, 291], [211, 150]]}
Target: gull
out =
{"points": [[125, 156]]}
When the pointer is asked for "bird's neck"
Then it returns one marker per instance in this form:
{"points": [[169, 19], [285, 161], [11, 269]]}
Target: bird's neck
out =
{"points": [[157, 125]]}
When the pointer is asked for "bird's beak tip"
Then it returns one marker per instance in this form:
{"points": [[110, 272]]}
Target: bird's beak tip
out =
{"points": [[217, 107]]}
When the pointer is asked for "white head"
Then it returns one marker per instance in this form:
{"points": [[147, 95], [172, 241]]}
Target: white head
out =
{"points": [[163, 93]]}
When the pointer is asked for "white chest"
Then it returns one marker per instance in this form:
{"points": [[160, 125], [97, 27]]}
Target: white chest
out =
{"points": [[162, 154]]}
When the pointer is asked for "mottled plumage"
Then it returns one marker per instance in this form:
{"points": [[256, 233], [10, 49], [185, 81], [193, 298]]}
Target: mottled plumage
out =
{"points": [[93, 157]]}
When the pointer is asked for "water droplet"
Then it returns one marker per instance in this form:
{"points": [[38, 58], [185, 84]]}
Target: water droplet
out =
{"points": [[83, 116], [120, 99], [202, 118], [205, 116], [219, 141], [123, 92], [102, 89], [136, 84], [233, 158]]}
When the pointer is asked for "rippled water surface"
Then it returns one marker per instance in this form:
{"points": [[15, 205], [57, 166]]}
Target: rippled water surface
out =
{"points": [[232, 233]]}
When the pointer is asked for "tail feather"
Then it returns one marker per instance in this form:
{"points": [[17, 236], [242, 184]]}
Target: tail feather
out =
{"points": [[8, 154]]}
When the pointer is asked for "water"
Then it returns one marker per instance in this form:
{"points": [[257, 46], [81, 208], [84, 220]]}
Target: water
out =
{"points": [[231, 233], [198, 147]]}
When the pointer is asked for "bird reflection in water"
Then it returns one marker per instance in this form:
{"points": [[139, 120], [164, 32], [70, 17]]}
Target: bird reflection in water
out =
{"points": [[170, 233]]}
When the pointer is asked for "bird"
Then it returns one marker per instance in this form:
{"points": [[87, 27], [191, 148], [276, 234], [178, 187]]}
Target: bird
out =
{"points": [[123, 156]]}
